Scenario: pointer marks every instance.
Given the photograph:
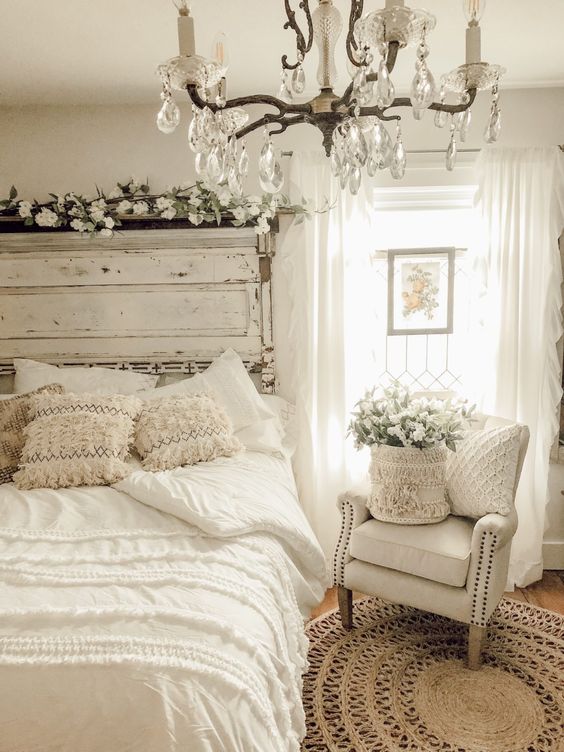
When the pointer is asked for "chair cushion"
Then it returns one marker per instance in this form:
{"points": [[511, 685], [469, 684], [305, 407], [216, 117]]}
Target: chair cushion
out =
{"points": [[439, 552]]}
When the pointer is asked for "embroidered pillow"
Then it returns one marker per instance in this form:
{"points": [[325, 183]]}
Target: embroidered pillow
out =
{"points": [[183, 430], [13, 419], [77, 440], [481, 473]]}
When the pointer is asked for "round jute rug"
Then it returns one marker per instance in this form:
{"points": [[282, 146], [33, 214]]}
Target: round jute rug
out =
{"points": [[398, 681]]}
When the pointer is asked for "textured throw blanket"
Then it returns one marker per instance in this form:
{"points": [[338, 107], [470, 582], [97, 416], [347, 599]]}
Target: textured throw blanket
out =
{"points": [[163, 614]]}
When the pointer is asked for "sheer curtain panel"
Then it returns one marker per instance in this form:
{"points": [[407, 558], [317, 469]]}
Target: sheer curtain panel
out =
{"points": [[513, 365], [324, 260]]}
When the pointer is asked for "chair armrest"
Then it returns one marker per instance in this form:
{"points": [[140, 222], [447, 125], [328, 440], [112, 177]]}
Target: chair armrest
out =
{"points": [[501, 527], [489, 563], [352, 506]]}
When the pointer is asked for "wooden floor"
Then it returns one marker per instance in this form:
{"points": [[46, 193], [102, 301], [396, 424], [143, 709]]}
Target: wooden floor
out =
{"points": [[548, 593]]}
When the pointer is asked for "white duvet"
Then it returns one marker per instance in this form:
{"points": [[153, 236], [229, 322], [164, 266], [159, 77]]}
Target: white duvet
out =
{"points": [[163, 614]]}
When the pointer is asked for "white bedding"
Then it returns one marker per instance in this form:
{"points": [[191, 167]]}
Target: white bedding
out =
{"points": [[162, 614]]}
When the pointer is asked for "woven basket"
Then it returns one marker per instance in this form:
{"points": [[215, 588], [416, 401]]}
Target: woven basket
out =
{"points": [[408, 485]]}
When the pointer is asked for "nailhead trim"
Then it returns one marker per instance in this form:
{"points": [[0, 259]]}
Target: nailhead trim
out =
{"points": [[342, 547], [488, 545]]}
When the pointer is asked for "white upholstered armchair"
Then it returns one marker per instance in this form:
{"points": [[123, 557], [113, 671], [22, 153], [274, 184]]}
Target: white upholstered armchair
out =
{"points": [[456, 568]]}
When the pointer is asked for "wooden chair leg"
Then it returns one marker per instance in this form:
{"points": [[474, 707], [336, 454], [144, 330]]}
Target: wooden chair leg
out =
{"points": [[345, 606], [476, 640]]}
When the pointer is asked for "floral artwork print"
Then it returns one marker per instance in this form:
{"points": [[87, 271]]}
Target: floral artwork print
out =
{"points": [[421, 293]]}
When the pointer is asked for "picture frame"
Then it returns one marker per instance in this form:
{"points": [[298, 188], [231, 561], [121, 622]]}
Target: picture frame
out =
{"points": [[420, 291]]}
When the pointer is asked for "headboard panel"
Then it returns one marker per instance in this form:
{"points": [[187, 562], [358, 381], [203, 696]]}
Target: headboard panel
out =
{"points": [[152, 300]]}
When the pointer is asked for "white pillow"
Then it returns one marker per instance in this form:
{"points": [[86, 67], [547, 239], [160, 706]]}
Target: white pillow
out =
{"points": [[255, 423], [286, 413], [481, 473], [31, 374]]}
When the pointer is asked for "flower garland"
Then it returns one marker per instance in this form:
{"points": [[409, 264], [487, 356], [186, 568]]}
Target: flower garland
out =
{"points": [[198, 202]]}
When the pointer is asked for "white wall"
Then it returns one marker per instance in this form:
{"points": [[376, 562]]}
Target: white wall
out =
{"points": [[59, 149]]}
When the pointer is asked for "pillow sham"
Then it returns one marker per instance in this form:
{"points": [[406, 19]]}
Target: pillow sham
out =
{"points": [[481, 473], [183, 430], [14, 417], [77, 440], [31, 374], [255, 423]]}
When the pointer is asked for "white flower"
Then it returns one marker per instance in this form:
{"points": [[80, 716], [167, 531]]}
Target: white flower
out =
{"points": [[134, 184], [98, 204], [106, 233], [141, 207], [25, 209], [60, 202], [195, 199], [109, 222], [262, 226], [169, 213], [124, 206], [418, 433], [224, 195], [195, 219], [78, 224], [46, 218], [76, 211], [240, 213], [115, 192], [164, 203], [97, 214], [254, 209]]}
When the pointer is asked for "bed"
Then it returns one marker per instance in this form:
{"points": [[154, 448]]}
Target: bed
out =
{"points": [[164, 612]]}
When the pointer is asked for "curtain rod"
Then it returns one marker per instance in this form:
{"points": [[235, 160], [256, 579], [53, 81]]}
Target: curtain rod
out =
{"points": [[428, 151]]}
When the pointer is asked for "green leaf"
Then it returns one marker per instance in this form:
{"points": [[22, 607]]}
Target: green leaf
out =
{"points": [[13, 192], [28, 221]]}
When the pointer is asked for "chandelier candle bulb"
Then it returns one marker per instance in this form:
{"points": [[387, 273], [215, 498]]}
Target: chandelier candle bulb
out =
{"points": [[473, 44], [186, 33]]}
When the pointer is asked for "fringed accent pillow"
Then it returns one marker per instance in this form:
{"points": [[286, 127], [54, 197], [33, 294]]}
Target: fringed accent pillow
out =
{"points": [[481, 473], [183, 430], [77, 440], [14, 417]]}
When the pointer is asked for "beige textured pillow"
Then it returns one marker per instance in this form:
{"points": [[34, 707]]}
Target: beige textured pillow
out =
{"points": [[13, 419], [77, 440], [183, 430], [481, 473]]}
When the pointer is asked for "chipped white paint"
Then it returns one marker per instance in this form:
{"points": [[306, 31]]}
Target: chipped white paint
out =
{"points": [[157, 300]]}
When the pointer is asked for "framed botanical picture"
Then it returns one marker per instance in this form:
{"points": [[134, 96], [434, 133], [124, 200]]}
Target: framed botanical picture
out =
{"points": [[420, 291]]}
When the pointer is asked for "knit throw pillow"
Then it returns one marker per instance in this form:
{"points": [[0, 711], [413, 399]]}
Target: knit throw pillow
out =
{"points": [[77, 440], [13, 419], [183, 430], [481, 473]]}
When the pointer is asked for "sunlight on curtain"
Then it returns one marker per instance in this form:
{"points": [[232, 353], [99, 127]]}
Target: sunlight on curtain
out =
{"points": [[513, 365], [327, 262]]}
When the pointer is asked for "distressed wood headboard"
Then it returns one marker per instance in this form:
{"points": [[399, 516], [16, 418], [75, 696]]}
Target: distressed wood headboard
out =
{"points": [[164, 300]]}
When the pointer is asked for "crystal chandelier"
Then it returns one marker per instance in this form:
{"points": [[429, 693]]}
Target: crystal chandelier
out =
{"points": [[353, 125]]}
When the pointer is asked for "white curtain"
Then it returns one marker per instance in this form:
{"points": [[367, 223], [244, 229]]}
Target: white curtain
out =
{"points": [[323, 260], [513, 365]]}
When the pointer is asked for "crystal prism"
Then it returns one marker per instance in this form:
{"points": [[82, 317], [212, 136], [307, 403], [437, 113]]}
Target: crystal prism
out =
{"points": [[385, 92], [355, 180], [441, 118], [335, 163], [273, 183], [202, 164], [168, 117], [234, 182], [344, 176], [418, 114], [298, 80], [423, 89], [397, 165], [215, 163], [355, 146], [360, 81], [243, 165], [371, 166], [381, 146], [267, 159], [451, 154], [493, 128]]}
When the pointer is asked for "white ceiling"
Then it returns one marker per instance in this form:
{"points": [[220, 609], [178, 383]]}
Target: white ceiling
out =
{"points": [[106, 51]]}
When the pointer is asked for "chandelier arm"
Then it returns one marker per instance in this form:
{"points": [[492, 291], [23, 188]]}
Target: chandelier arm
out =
{"points": [[391, 58], [281, 120], [452, 109], [355, 14], [282, 107], [303, 46]]}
